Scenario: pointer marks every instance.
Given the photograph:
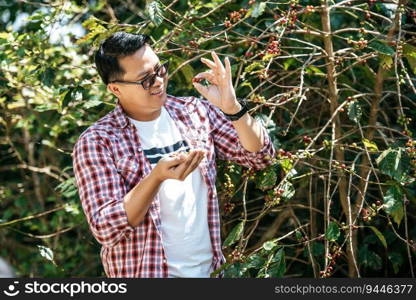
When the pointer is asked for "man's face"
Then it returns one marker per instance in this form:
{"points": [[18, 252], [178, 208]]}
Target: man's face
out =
{"points": [[136, 101]]}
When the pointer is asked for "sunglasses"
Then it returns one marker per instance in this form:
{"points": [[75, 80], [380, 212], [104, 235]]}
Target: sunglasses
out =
{"points": [[149, 80]]}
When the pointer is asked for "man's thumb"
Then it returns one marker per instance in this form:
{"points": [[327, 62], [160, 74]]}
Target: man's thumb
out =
{"points": [[201, 89]]}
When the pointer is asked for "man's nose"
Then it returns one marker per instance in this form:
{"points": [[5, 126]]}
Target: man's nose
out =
{"points": [[158, 81]]}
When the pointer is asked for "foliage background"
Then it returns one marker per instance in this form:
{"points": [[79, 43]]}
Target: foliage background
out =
{"points": [[334, 82]]}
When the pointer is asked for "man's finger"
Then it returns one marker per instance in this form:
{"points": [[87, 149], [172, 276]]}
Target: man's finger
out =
{"points": [[178, 171], [209, 63], [213, 67], [208, 75], [174, 161], [228, 69], [194, 164], [218, 62], [190, 167], [203, 90], [197, 163]]}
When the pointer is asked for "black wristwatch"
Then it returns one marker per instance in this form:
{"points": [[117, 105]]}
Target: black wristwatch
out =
{"points": [[241, 113]]}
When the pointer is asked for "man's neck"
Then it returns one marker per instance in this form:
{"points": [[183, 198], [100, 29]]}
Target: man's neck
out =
{"points": [[143, 116]]}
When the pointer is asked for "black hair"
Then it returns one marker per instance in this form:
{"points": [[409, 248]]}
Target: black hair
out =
{"points": [[118, 45]]}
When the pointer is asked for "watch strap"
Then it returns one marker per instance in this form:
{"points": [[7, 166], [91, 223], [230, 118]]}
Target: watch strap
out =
{"points": [[237, 116]]}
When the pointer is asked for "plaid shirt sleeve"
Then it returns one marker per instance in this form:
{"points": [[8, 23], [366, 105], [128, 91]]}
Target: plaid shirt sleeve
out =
{"points": [[101, 190], [228, 146]]}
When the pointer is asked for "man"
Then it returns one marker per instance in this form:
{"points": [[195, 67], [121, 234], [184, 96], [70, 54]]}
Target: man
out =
{"points": [[147, 189]]}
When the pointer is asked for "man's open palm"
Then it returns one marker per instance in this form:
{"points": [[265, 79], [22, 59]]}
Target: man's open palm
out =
{"points": [[179, 166]]}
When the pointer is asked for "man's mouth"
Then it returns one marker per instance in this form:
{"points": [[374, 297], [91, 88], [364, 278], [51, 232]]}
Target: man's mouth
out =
{"points": [[157, 93]]}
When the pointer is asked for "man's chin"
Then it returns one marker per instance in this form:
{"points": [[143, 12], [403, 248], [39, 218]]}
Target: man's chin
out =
{"points": [[159, 98]]}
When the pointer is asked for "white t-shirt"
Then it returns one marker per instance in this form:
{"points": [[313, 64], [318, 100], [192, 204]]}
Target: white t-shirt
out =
{"points": [[183, 204]]}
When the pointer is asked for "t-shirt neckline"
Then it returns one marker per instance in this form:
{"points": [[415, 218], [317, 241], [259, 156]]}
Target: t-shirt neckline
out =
{"points": [[152, 122]]}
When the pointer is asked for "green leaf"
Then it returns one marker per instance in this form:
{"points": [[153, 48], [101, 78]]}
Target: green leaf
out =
{"points": [[269, 245], [92, 103], [45, 252], [289, 190], [278, 268], [72, 208], [369, 258], [354, 111], [268, 57], [92, 35], [379, 235], [391, 162], [266, 179], [381, 47], [65, 97], [91, 23], [409, 52], [154, 12], [246, 83], [286, 165], [47, 77], [371, 146], [46, 107], [206, 5], [21, 202], [68, 188], [258, 9], [4, 35], [314, 70], [234, 271], [412, 63], [267, 123], [333, 232], [318, 248], [298, 235], [234, 235], [396, 260], [386, 9], [386, 61], [393, 203], [255, 261], [253, 66], [288, 62]]}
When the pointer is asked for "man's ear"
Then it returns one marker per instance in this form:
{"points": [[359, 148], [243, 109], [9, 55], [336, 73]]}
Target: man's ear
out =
{"points": [[113, 88]]}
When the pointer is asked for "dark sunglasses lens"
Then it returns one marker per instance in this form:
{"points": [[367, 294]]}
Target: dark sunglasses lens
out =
{"points": [[161, 72], [149, 82]]}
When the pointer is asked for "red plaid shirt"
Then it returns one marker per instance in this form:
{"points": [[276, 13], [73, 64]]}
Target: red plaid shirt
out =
{"points": [[109, 162]]}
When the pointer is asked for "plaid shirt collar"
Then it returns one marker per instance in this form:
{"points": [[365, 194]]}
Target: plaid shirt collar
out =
{"points": [[120, 116]]}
